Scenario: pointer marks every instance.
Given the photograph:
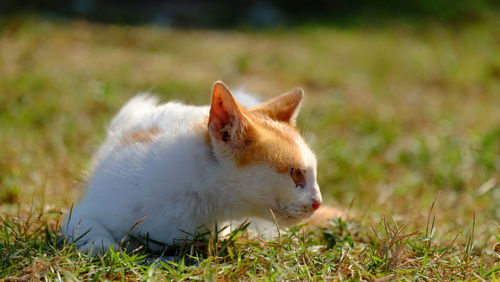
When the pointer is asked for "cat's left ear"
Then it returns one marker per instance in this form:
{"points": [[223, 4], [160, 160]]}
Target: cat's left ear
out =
{"points": [[227, 121], [283, 108]]}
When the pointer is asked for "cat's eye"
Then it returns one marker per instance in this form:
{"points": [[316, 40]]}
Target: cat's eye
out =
{"points": [[298, 177]]}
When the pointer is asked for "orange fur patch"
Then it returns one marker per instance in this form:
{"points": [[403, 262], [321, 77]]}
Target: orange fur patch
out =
{"points": [[266, 141], [270, 142], [140, 136], [264, 134]]}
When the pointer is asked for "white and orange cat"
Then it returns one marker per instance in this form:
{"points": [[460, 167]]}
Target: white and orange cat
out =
{"points": [[178, 167]]}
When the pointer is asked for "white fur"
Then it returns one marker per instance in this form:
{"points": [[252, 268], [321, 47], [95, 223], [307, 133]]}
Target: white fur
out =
{"points": [[177, 182]]}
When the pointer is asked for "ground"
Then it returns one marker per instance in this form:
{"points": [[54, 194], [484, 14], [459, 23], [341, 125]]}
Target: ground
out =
{"points": [[404, 117]]}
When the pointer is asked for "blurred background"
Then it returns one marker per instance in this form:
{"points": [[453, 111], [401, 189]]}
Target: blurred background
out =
{"points": [[402, 97], [227, 14]]}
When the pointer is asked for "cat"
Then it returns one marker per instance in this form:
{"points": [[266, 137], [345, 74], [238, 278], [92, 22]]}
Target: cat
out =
{"points": [[167, 170]]}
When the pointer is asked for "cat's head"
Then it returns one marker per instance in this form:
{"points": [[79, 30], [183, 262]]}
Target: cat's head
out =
{"points": [[268, 164]]}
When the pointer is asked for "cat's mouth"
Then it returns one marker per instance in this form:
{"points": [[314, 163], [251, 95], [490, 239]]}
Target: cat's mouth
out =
{"points": [[290, 214]]}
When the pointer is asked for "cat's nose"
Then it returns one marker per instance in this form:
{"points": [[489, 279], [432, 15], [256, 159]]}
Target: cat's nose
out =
{"points": [[316, 204]]}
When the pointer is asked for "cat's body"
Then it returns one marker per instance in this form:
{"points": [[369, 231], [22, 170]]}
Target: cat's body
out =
{"points": [[175, 168]]}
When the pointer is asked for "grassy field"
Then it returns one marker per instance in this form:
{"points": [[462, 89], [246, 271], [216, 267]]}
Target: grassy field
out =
{"points": [[405, 120]]}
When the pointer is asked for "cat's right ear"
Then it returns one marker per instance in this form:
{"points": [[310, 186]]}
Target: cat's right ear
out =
{"points": [[227, 122]]}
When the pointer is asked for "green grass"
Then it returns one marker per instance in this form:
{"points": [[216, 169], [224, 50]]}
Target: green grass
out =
{"points": [[405, 121]]}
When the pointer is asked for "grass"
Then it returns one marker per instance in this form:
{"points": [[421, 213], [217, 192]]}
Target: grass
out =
{"points": [[405, 121]]}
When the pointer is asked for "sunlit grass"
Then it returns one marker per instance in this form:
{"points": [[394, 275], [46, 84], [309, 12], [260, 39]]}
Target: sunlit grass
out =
{"points": [[405, 121]]}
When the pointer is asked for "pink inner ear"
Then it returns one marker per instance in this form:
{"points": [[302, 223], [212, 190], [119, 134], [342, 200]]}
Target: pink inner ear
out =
{"points": [[219, 118], [223, 111]]}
